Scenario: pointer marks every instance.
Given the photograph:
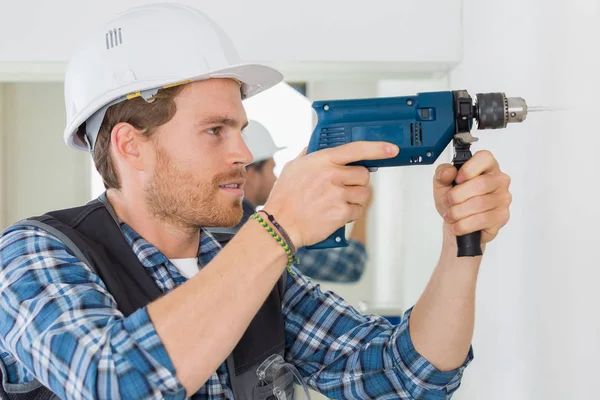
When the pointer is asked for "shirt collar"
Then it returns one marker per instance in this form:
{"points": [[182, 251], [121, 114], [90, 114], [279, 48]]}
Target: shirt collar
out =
{"points": [[148, 254]]}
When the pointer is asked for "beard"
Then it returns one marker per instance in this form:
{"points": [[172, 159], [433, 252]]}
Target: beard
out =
{"points": [[187, 202]]}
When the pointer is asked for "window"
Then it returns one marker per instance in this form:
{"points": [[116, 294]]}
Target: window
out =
{"points": [[287, 114]]}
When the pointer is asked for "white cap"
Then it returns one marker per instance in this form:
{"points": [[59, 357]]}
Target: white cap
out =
{"points": [[259, 141], [143, 50]]}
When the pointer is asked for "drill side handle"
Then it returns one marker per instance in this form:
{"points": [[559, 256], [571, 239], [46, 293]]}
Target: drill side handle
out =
{"points": [[469, 245]]}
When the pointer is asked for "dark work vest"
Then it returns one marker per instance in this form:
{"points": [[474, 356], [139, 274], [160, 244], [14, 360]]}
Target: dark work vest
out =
{"points": [[93, 234]]}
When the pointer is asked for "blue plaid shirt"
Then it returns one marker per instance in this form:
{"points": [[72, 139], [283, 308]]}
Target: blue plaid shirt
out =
{"points": [[344, 264], [60, 325]]}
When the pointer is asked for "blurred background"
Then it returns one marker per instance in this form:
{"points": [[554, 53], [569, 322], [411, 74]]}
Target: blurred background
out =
{"points": [[537, 332]]}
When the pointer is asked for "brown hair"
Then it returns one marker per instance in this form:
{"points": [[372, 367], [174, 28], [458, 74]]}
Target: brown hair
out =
{"points": [[144, 116]]}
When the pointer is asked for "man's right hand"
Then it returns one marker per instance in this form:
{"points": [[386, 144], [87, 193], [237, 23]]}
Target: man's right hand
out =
{"points": [[319, 193]]}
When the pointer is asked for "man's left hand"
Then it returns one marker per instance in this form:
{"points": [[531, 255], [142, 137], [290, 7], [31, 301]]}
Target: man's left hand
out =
{"points": [[480, 201]]}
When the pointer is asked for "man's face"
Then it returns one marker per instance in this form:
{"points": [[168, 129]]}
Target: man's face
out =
{"points": [[199, 158]]}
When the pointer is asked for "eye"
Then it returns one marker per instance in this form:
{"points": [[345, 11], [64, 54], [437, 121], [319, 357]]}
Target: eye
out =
{"points": [[214, 131]]}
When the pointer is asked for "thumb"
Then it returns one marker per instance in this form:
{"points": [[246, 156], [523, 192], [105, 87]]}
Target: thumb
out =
{"points": [[444, 176]]}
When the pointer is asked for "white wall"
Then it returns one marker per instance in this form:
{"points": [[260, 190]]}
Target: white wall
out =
{"points": [[39, 173], [312, 30], [537, 331]]}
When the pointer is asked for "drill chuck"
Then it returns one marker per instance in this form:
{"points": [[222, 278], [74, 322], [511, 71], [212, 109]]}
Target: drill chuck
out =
{"points": [[517, 109], [495, 110]]}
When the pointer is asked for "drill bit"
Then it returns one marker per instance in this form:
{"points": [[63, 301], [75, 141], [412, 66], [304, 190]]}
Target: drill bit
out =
{"points": [[545, 108]]}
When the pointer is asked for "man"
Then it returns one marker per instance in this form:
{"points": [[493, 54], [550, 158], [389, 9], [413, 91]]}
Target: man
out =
{"points": [[345, 264], [130, 297]]}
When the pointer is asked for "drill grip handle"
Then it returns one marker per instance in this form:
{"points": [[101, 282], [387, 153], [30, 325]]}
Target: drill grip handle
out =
{"points": [[337, 239], [469, 245]]}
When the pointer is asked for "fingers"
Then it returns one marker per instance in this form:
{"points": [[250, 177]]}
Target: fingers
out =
{"points": [[444, 176], [354, 212], [489, 221], [359, 151], [345, 212], [348, 203], [478, 205], [479, 186], [479, 202], [371, 196], [354, 176], [482, 162], [358, 195]]}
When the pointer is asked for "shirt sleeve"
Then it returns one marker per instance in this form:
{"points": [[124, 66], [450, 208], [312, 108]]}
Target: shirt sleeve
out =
{"points": [[344, 264], [348, 355], [60, 322]]}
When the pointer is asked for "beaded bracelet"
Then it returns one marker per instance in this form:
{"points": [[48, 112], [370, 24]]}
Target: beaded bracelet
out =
{"points": [[281, 230], [292, 259]]}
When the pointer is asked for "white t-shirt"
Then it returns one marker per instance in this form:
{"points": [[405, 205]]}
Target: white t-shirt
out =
{"points": [[188, 267]]}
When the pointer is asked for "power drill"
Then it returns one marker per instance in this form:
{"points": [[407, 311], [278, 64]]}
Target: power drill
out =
{"points": [[422, 126]]}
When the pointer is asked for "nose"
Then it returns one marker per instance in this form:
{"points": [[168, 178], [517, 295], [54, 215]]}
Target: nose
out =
{"points": [[239, 153]]}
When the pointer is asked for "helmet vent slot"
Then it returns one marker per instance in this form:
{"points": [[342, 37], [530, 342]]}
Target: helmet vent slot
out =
{"points": [[113, 38]]}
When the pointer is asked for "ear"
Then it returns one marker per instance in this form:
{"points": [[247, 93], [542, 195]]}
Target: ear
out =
{"points": [[125, 142]]}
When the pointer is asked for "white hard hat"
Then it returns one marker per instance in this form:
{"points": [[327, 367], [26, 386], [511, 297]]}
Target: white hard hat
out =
{"points": [[143, 50], [259, 141]]}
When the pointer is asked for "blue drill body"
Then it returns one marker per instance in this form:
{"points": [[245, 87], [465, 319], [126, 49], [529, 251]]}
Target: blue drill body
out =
{"points": [[422, 126]]}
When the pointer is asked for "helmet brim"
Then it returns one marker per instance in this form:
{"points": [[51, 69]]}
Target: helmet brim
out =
{"points": [[255, 78]]}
